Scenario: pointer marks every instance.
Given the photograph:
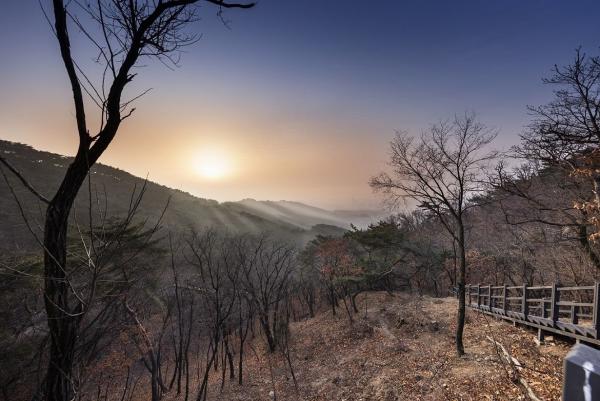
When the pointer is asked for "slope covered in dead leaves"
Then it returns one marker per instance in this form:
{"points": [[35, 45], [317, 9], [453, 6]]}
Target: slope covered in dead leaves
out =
{"points": [[401, 348]]}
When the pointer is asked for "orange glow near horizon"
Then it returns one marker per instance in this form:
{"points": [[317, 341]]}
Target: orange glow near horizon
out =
{"points": [[295, 101]]}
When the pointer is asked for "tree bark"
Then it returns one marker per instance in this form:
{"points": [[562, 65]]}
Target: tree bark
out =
{"points": [[460, 282], [265, 323], [64, 310]]}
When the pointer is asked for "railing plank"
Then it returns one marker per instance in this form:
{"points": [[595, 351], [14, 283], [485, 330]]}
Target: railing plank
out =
{"points": [[545, 300], [569, 303], [583, 288]]}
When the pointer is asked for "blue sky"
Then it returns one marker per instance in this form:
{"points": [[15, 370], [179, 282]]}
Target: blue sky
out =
{"points": [[303, 96]]}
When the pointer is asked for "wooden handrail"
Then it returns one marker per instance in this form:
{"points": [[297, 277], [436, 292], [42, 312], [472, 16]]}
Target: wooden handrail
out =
{"points": [[554, 314]]}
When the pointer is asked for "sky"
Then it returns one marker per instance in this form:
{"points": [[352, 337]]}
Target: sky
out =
{"points": [[298, 100]]}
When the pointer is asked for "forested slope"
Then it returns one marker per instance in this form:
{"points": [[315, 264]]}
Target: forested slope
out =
{"points": [[112, 190]]}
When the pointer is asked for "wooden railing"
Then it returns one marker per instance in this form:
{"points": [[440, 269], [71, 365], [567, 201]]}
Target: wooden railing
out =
{"points": [[570, 311]]}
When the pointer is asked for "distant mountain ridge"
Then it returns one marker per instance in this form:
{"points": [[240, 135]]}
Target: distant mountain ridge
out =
{"points": [[306, 216], [112, 188]]}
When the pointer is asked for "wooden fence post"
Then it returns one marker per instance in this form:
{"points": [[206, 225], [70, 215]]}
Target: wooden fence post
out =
{"points": [[596, 309], [478, 296], [524, 305], [504, 299], [554, 309], [490, 297], [575, 314]]}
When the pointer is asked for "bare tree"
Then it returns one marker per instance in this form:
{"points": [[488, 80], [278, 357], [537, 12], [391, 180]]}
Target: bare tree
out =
{"points": [[525, 200], [569, 125], [565, 133], [442, 171], [150, 347], [215, 258], [245, 321], [106, 259], [182, 328], [266, 276], [124, 32]]}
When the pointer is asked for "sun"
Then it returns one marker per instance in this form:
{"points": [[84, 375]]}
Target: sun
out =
{"points": [[213, 164]]}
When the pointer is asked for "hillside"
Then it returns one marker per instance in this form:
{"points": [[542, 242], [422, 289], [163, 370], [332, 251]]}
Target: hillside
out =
{"points": [[112, 189], [400, 348], [403, 349]]}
